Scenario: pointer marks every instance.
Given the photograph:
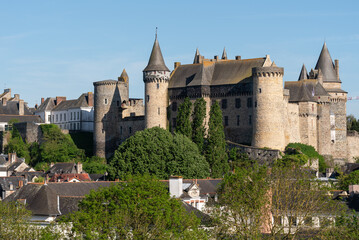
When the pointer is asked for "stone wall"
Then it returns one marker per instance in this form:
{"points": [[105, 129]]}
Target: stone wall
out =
{"points": [[262, 155], [30, 132], [353, 145]]}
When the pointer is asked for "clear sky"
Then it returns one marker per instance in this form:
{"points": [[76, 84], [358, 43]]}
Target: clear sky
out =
{"points": [[59, 48]]}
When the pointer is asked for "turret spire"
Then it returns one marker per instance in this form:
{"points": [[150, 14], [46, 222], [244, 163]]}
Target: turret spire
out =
{"points": [[123, 77], [325, 64], [224, 54], [197, 57], [156, 62], [303, 73]]}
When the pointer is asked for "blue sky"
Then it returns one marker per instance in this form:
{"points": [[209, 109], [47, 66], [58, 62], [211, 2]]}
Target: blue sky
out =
{"points": [[59, 48]]}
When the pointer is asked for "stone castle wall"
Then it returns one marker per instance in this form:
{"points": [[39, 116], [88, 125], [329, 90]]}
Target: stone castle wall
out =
{"points": [[352, 146]]}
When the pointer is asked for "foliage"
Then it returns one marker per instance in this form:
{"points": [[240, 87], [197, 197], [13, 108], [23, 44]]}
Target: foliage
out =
{"points": [[39, 180], [183, 122], [58, 147], [83, 140], [346, 227], [243, 200], [303, 154], [237, 159], [95, 165], [352, 123], [157, 152], [14, 225], [198, 117], [16, 144], [348, 179], [215, 149], [140, 208]]}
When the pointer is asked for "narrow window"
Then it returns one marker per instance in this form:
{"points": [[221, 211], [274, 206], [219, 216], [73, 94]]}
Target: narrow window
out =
{"points": [[57, 117], [260, 90], [65, 117], [106, 101], [312, 107], [158, 86], [130, 130], [148, 98], [225, 120], [255, 104], [71, 115], [174, 106], [49, 118], [238, 120], [238, 102], [249, 102], [78, 115], [121, 130], [224, 103], [159, 112], [61, 117]]}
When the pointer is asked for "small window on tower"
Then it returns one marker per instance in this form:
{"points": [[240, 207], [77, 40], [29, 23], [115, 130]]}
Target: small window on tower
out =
{"points": [[238, 102], [159, 112], [224, 103], [106, 101], [148, 98], [260, 90], [158, 85], [249, 102]]}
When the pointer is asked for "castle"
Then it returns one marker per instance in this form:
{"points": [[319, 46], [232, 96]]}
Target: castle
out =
{"points": [[257, 109]]}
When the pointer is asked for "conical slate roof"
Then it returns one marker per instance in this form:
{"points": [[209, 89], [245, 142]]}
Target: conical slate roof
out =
{"points": [[224, 54], [303, 73], [325, 63], [156, 62], [196, 57], [124, 76]]}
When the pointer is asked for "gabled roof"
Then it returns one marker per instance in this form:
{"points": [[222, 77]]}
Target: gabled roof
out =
{"points": [[62, 168], [66, 177], [305, 90], [82, 101], [47, 105], [156, 62], [325, 64], [12, 108], [214, 73], [303, 73], [5, 182]]}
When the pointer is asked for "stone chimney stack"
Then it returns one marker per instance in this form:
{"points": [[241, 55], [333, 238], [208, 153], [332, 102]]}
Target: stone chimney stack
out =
{"points": [[16, 97], [42, 100], [176, 186], [79, 167], [238, 57], [12, 157], [4, 101], [177, 64], [21, 107], [337, 67], [60, 99], [90, 99]]}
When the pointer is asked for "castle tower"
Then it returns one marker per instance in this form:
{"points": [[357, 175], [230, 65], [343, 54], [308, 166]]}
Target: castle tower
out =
{"points": [[156, 77], [268, 112]]}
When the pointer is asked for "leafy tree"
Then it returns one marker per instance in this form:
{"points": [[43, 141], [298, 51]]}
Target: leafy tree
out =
{"points": [[183, 118], [95, 165], [14, 224], [58, 147], [140, 208], [16, 144], [346, 227], [215, 149], [243, 204], [157, 152], [198, 117], [348, 179], [352, 123], [238, 159]]}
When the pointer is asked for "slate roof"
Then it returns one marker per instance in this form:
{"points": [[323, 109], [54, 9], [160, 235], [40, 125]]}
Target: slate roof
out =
{"points": [[156, 62], [29, 175], [14, 165], [82, 101], [62, 168], [214, 73], [65, 177], [47, 105], [41, 199], [5, 182], [21, 118], [12, 108], [305, 90], [303, 73], [325, 64]]}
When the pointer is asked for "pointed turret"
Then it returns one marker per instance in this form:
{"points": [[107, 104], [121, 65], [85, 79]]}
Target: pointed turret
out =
{"points": [[197, 57], [123, 77], [224, 54], [156, 62], [303, 73], [325, 64]]}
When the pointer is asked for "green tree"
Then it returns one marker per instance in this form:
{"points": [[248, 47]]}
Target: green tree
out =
{"points": [[95, 165], [140, 208], [352, 123], [157, 152], [348, 179], [198, 117], [16, 144], [243, 204], [346, 227], [183, 121], [14, 224], [58, 147], [215, 149]]}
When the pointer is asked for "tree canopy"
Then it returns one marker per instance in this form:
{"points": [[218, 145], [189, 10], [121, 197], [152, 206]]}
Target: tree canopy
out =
{"points": [[198, 129], [157, 152], [139, 208], [183, 120]]}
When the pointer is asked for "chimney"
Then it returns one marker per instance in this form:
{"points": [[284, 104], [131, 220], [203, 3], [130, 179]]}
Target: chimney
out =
{"points": [[21, 107], [12, 157], [337, 67], [11, 186], [79, 167], [60, 99], [177, 64], [238, 57], [17, 97], [329, 172], [21, 184], [90, 99], [216, 57], [42, 100], [4, 101], [176, 186]]}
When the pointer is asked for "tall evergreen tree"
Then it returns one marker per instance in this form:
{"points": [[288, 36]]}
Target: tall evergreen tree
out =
{"points": [[183, 118], [198, 129], [216, 154]]}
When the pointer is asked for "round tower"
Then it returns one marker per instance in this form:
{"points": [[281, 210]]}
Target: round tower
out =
{"points": [[156, 77], [268, 112]]}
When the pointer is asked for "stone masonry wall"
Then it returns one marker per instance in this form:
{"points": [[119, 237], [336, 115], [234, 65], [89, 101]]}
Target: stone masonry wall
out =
{"points": [[352, 145]]}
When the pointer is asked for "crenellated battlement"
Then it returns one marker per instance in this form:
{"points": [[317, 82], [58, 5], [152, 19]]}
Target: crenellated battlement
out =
{"points": [[268, 71]]}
